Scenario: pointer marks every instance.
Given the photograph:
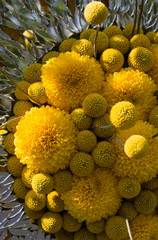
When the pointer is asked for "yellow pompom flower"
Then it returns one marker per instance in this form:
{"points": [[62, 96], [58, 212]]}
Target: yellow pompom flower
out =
{"points": [[51, 222], [37, 93], [42, 183], [83, 47], [127, 210], [49, 55], [133, 86], [82, 164], [102, 236], [104, 154], [20, 94], [11, 126], [141, 58], [14, 166], [19, 188], [65, 46], [136, 147], [70, 224], [21, 107], [62, 234], [144, 227], [102, 41], [86, 33], [71, 77], [33, 214], [9, 143], [153, 73], [83, 233], [45, 139], [35, 201], [152, 184], [94, 197], [81, 120], [120, 43], [63, 180], [128, 187], [145, 202], [153, 116], [123, 115], [128, 29], [32, 73], [86, 141], [96, 227], [27, 175], [112, 31], [94, 105], [156, 38], [95, 13], [143, 169], [54, 202], [150, 36], [116, 228], [140, 40], [112, 60]]}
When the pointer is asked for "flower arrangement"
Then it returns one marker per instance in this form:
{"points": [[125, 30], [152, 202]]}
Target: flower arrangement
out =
{"points": [[83, 139]]}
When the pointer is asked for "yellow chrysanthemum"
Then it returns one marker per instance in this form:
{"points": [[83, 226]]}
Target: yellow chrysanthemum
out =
{"points": [[69, 78], [128, 29], [102, 41], [153, 116], [120, 43], [112, 31], [9, 143], [143, 169], [153, 73], [21, 107], [51, 222], [81, 120], [152, 184], [86, 33], [14, 166], [151, 36], [49, 55], [35, 201], [45, 139], [42, 183], [32, 73], [96, 227], [19, 188], [70, 224], [83, 233], [93, 197], [11, 126], [83, 47], [19, 94], [37, 93], [139, 40], [127, 210], [62, 234], [133, 86], [128, 187], [95, 13], [54, 202], [63, 180]]}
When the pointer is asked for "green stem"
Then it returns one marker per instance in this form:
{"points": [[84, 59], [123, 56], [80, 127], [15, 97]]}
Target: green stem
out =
{"points": [[140, 16], [4, 124], [117, 140], [104, 127], [135, 16], [95, 40]]}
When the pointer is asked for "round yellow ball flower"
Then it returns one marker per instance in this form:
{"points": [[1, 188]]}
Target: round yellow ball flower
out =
{"points": [[152, 184], [42, 183], [96, 227], [95, 13], [36, 91], [145, 202], [102, 236], [81, 120], [99, 122], [116, 228], [70, 224], [156, 38], [141, 58], [83, 233], [83, 47], [120, 43], [123, 115], [150, 36], [136, 147], [86, 141], [51, 222], [49, 55], [127, 210], [65, 46], [112, 31], [19, 188], [63, 180], [86, 33], [140, 40], [133, 86], [21, 107], [153, 116], [128, 187], [32, 73], [20, 93], [9, 143], [82, 164], [112, 60], [14, 166], [153, 73], [143, 169], [27, 175], [45, 139], [71, 77], [33, 214], [35, 201], [54, 202], [128, 29], [63, 234], [102, 41], [94, 105], [104, 154], [94, 197], [144, 227], [11, 126]]}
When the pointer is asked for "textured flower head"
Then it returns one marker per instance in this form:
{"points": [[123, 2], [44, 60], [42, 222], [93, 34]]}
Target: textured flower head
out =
{"points": [[69, 78], [45, 139]]}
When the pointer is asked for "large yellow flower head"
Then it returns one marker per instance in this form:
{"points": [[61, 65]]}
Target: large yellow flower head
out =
{"points": [[143, 169], [45, 139], [69, 78], [93, 197], [133, 86]]}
